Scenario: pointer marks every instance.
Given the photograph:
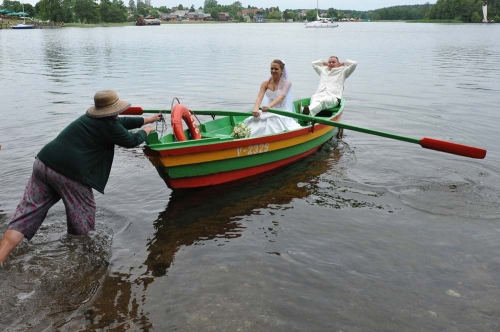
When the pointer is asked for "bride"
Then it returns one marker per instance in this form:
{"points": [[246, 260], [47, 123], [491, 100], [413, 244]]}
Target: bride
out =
{"points": [[274, 93]]}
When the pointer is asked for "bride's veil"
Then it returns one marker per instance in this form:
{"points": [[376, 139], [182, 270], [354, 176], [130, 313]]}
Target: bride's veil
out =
{"points": [[284, 85]]}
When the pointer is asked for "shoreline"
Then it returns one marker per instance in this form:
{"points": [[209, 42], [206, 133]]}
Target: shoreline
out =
{"points": [[95, 25]]}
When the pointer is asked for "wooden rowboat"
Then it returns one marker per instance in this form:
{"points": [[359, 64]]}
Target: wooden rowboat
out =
{"points": [[219, 158], [215, 157]]}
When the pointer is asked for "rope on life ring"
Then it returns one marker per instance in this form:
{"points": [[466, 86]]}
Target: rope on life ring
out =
{"points": [[180, 113]]}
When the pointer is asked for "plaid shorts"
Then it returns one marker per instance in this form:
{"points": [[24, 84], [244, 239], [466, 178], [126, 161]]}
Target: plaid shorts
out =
{"points": [[45, 188]]}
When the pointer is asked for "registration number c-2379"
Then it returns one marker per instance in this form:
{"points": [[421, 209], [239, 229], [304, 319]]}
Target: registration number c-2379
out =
{"points": [[252, 149]]}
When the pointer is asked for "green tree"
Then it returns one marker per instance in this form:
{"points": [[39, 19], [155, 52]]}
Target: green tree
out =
{"points": [[13, 6], [235, 8], [67, 10], [332, 12], [209, 5], [476, 18], [164, 9], [311, 15], [51, 10], [132, 6], [180, 7], [289, 15], [275, 15], [414, 12], [104, 9], [86, 11], [192, 10], [140, 5], [463, 10], [214, 13]]}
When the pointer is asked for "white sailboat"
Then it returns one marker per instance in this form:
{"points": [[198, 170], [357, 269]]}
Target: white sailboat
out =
{"points": [[485, 12], [23, 25], [320, 23]]}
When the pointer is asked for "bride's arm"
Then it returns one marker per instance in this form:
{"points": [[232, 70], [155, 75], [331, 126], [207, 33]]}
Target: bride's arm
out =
{"points": [[260, 96]]}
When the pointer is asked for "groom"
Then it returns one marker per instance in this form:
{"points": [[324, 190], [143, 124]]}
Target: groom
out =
{"points": [[331, 83]]}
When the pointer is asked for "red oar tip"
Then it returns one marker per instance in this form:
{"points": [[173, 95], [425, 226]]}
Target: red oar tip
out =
{"points": [[454, 148], [133, 110]]}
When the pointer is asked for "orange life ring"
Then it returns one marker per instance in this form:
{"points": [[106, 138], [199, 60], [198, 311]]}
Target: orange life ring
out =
{"points": [[179, 113]]}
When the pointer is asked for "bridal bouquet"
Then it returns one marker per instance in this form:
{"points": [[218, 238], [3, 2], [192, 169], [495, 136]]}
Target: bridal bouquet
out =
{"points": [[241, 130]]}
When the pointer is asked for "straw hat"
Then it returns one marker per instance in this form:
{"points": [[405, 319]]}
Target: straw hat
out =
{"points": [[107, 103]]}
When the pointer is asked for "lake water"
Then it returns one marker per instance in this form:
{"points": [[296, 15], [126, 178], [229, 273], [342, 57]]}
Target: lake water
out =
{"points": [[369, 234]]}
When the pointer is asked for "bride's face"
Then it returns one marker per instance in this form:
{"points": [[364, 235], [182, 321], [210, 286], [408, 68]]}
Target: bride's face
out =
{"points": [[276, 70]]}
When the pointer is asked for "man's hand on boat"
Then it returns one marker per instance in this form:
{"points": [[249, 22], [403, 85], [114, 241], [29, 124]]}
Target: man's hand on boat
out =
{"points": [[151, 119], [148, 129]]}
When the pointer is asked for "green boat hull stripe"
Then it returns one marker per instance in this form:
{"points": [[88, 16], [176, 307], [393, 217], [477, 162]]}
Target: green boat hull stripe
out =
{"points": [[227, 165]]}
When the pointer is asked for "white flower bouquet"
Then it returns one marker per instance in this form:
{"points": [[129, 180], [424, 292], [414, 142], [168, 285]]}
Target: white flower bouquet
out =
{"points": [[241, 130]]}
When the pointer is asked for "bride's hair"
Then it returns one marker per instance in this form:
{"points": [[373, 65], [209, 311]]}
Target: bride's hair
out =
{"points": [[280, 63]]}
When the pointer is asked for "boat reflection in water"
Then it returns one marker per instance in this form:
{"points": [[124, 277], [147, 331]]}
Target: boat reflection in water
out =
{"points": [[212, 213]]}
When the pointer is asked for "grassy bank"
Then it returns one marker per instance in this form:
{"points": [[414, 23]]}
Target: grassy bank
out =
{"points": [[83, 25], [435, 21]]}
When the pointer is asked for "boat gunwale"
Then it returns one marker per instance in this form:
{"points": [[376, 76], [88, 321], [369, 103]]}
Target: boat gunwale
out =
{"points": [[169, 150]]}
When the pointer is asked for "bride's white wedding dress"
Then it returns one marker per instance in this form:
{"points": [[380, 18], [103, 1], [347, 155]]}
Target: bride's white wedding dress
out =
{"points": [[270, 123]]}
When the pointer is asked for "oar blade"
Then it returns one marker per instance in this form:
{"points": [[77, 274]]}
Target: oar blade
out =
{"points": [[133, 110], [454, 148]]}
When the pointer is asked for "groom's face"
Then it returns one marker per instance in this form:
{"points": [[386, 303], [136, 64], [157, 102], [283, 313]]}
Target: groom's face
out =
{"points": [[333, 62]]}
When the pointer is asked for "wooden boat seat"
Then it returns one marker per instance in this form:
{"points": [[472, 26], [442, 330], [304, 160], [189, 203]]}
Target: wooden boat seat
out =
{"points": [[221, 127]]}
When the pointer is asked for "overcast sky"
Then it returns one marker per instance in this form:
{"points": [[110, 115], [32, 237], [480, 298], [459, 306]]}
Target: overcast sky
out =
{"points": [[288, 4]]}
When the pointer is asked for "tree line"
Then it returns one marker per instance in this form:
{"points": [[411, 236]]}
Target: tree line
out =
{"points": [[115, 11], [464, 10]]}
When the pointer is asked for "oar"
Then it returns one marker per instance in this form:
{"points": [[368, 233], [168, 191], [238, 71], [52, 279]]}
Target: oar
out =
{"points": [[425, 142], [137, 110]]}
